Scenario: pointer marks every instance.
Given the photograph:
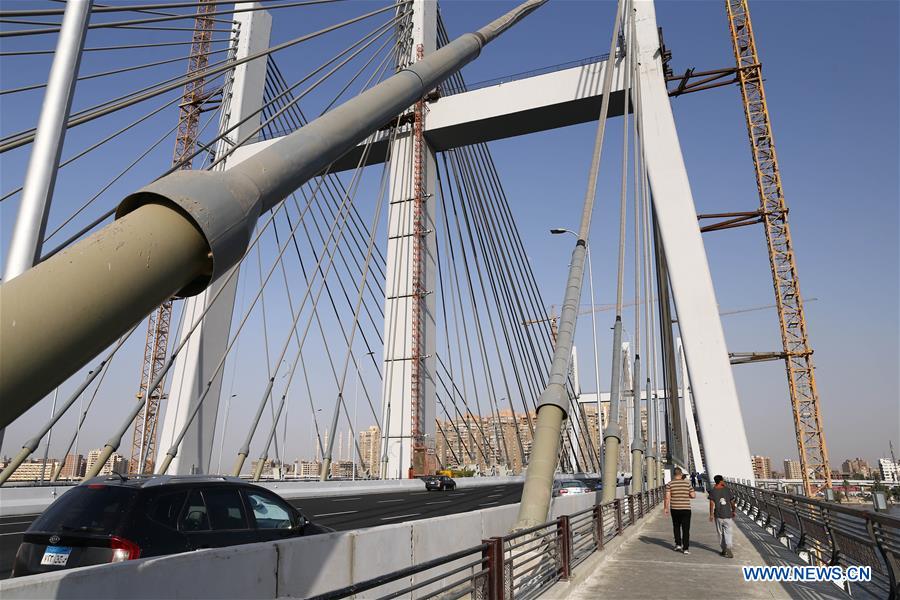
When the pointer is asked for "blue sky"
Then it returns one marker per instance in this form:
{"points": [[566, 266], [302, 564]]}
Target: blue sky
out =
{"points": [[832, 84]]}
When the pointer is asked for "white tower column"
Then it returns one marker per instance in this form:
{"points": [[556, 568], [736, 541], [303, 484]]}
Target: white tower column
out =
{"points": [[715, 395], [410, 308], [195, 364]]}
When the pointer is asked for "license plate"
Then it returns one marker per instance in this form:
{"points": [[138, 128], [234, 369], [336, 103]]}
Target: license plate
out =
{"points": [[56, 556]]}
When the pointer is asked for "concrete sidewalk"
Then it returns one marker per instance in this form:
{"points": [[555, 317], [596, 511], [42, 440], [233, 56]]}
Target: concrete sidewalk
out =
{"points": [[646, 566]]}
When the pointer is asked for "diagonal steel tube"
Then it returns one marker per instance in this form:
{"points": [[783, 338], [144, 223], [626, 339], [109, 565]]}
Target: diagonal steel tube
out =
{"points": [[177, 235], [553, 405]]}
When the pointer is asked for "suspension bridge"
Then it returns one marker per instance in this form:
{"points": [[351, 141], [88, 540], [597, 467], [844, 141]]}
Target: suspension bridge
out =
{"points": [[329, 260]]}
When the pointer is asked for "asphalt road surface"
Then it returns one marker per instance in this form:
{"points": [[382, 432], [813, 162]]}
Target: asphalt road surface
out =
{"points": [[338, 512]]}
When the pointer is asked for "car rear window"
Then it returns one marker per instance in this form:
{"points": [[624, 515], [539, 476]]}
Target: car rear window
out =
{"points": [[94, 508], [573, 484]]}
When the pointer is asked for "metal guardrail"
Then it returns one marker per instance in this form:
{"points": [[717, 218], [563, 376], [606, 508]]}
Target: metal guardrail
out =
{"points": [[831, 534], [520, 565]]}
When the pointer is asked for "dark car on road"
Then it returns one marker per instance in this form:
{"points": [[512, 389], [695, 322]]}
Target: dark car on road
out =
{"points": [[114, 519], [439, 482]]}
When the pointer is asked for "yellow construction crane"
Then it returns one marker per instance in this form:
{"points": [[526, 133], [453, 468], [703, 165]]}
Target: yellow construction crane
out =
{"points": [[143, 443], [773, 213]]}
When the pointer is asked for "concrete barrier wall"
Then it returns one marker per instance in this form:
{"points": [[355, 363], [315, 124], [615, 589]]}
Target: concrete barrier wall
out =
{"points": [[29, 500], [296, 568], [34, 499]]}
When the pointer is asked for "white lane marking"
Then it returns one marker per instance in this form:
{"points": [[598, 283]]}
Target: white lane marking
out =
{"points": [[25, 515], [495, 495], [420, 493], [440, 502], [344, 512], [397, 500], [347, 499], [13, 533], [488, 503], [16, 523], [400, 516]]}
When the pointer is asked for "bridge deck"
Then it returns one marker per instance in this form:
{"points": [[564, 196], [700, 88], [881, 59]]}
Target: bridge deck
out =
{"points": [[646, 566]]}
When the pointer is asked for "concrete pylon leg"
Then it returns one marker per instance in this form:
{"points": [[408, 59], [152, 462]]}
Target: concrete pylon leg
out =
{"points": [[715, 395], [198, 360], [409, 309]]}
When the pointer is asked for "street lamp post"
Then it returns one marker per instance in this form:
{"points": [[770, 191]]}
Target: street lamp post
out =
{"points": [[559, 231], [356, 407]]}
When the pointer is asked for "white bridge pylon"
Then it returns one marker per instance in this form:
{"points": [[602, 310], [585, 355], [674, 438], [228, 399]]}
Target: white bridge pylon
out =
{"points": [[196, 363], [527, 105]]}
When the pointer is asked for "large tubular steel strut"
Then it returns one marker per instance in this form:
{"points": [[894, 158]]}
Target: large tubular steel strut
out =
{"points": [[180, 233], [553, 404]]}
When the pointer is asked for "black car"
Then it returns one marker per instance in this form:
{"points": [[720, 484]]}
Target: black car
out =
{"points": [[439, 482], [114, 519]]}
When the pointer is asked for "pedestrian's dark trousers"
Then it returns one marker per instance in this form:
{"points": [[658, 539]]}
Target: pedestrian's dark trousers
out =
{"points": [[681, 523]]}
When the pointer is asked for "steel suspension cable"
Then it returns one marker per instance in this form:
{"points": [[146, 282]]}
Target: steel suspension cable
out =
{"points": [[458, 314], [335, 234], [19, 139], [461, 186], [163, 19], [109, 184], [449, 253], [118, 47], [328, 451], [204, 147], [374, 37], [32, 444], [245, 449], [479, 227], [118, 71]]}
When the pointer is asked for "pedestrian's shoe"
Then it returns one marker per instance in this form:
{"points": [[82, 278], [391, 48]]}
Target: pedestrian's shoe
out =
{"points": [[723, 554], [678, 548], [729, 553], [686, 551]]}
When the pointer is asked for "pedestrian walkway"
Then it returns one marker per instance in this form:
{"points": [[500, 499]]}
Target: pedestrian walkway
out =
{"points": [[647, 566]]}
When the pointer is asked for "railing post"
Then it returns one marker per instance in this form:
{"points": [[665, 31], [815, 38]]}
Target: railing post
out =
{"points": [[618, 505], [631, 508], [890, 561], [564, 547], [782, 527], [493, 557], [802, 541], [835, 549], [598, 525]]}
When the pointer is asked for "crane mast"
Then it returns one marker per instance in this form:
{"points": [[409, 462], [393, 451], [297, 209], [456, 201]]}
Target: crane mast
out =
{"points": [[143, 444], [774, 214]]}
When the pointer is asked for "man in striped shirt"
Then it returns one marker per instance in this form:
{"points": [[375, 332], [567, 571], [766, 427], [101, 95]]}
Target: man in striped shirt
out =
{"points": [[678, 501]]}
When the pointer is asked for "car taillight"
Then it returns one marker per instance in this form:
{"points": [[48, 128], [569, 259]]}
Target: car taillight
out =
{"points": [[123, 549], [563, 491]]}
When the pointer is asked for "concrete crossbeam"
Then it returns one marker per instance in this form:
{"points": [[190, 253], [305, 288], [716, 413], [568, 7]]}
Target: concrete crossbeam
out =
{"points": [[529, 105]]}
